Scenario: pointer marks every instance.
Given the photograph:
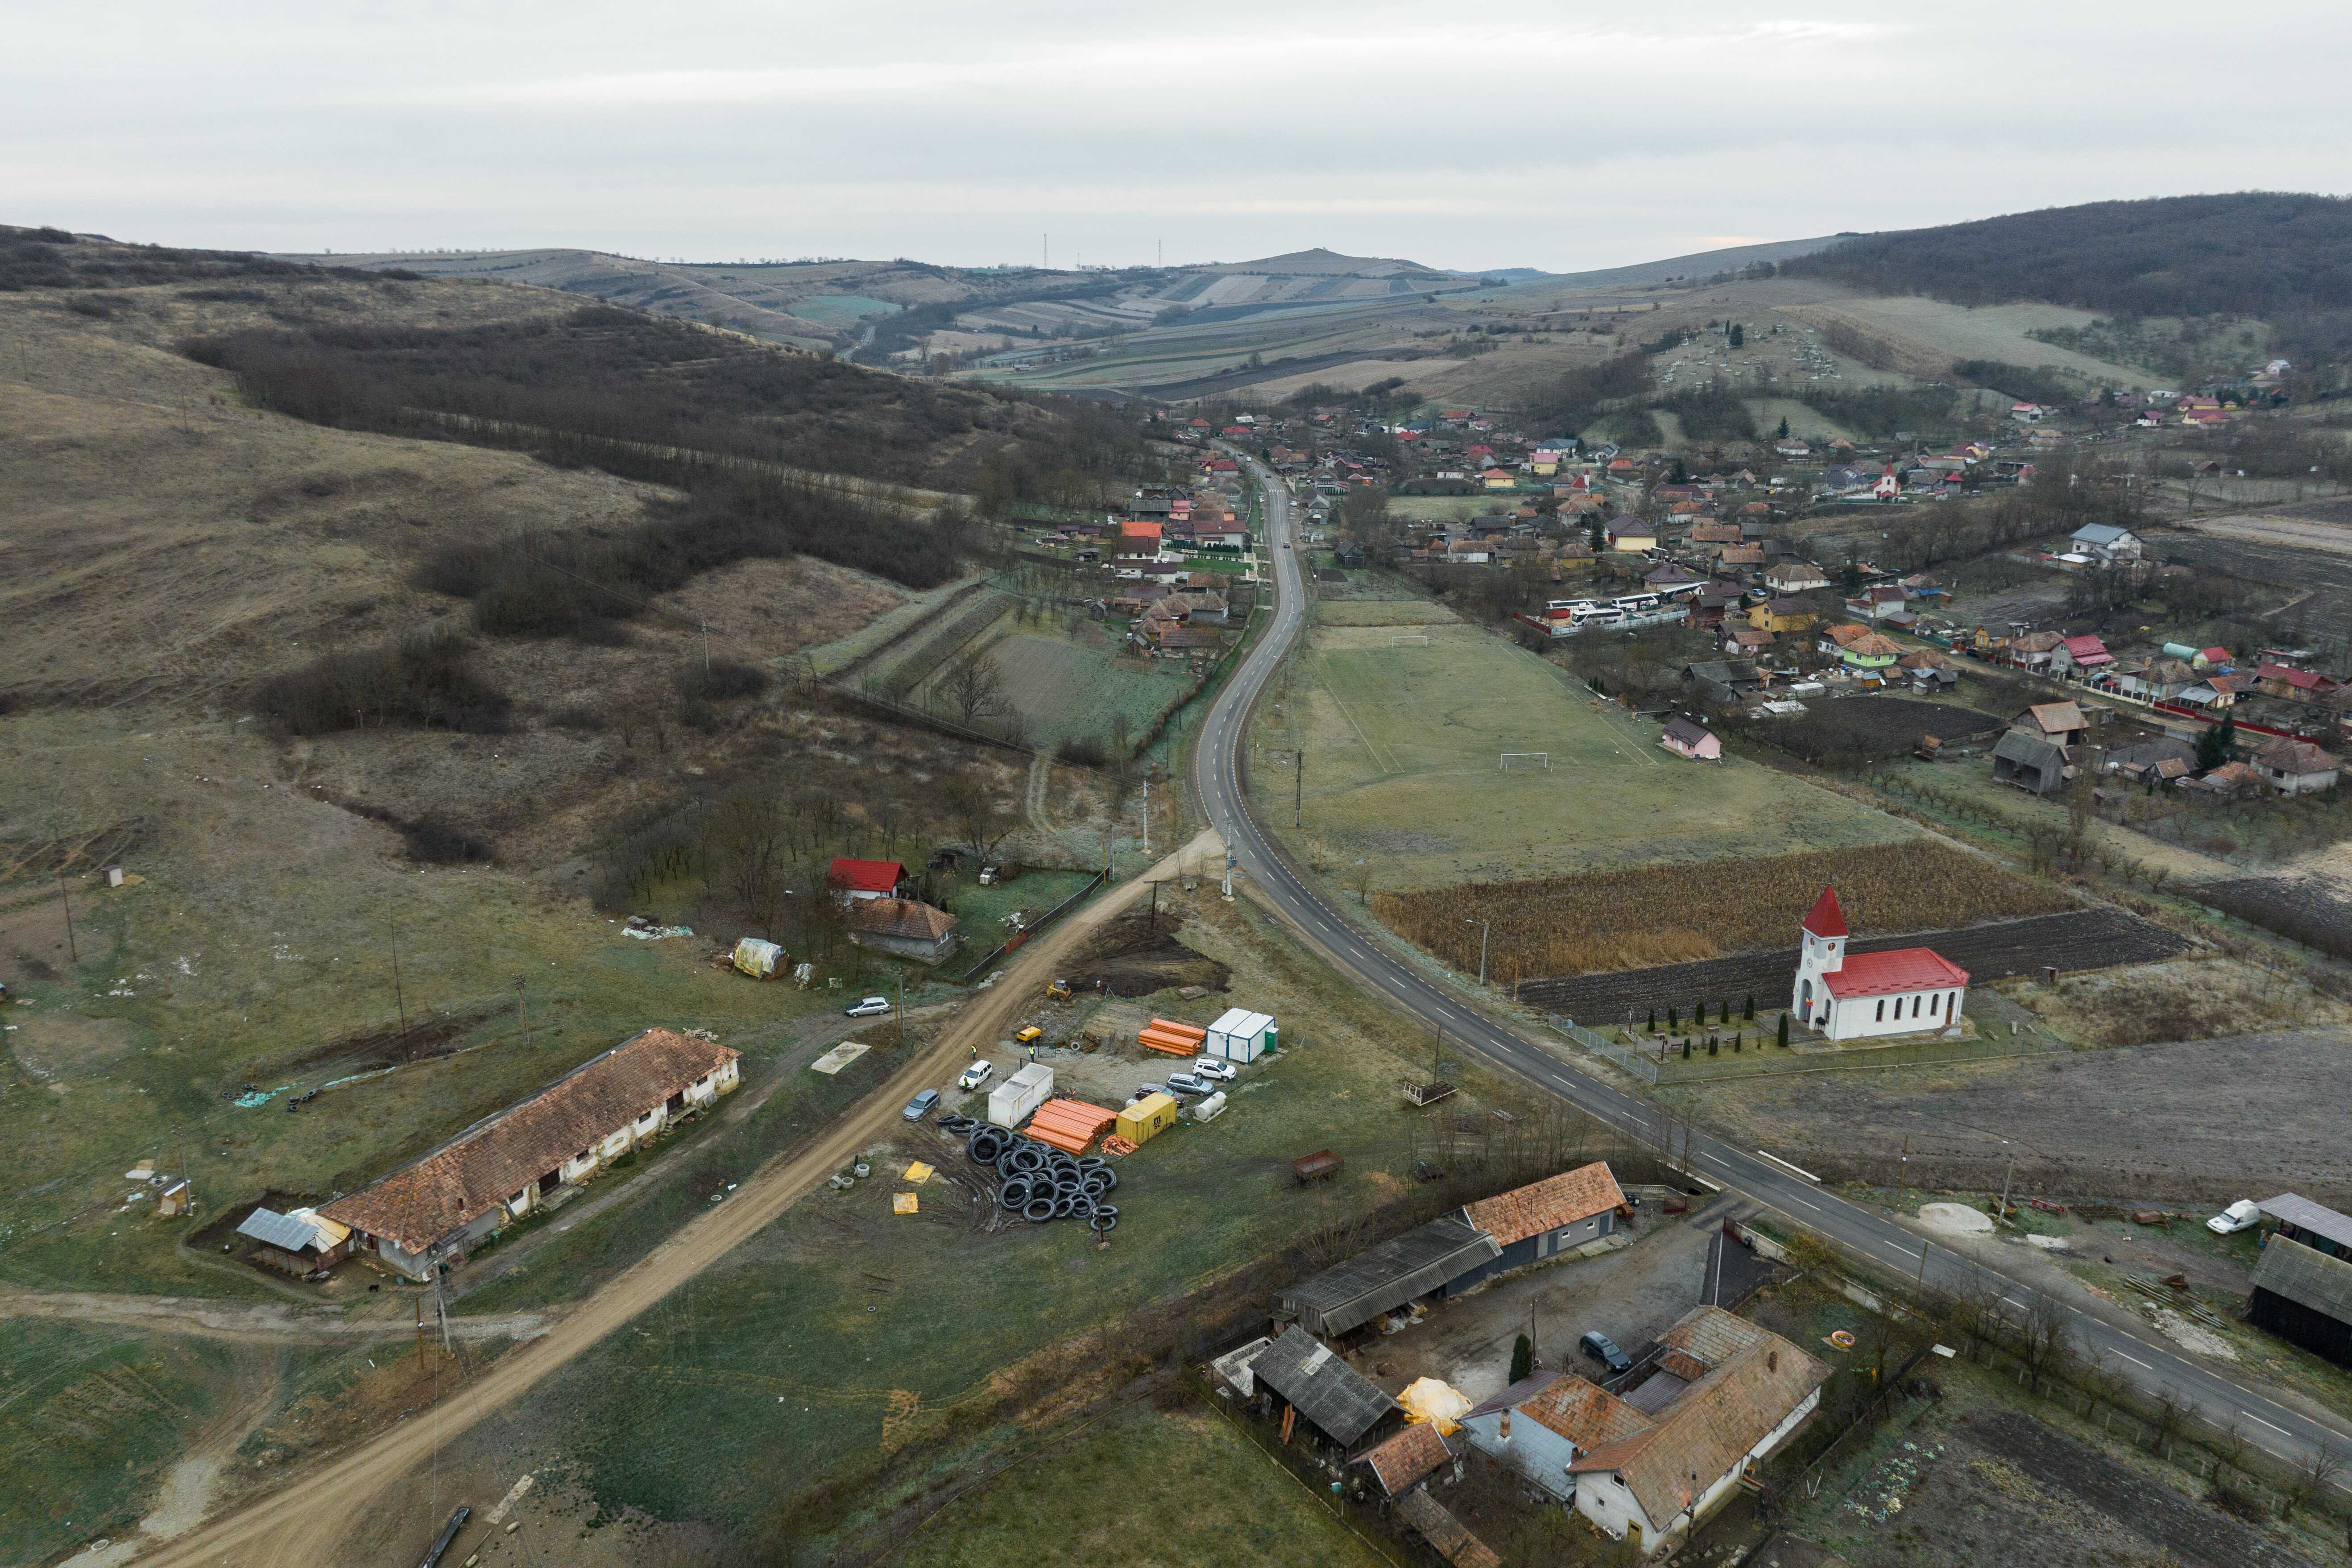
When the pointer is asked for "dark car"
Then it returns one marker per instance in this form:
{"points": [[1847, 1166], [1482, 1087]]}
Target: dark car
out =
{"points": [[1604, 1349], [921, 1106]]}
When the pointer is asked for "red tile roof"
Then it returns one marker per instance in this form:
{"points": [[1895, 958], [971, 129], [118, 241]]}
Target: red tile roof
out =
{"points": [[1906, 969], [901, 918], [866, 876], [1401, 1460], [498, 1157], [1828, 917]]}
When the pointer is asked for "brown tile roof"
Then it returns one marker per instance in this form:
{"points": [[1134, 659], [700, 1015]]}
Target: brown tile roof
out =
{"points": [[1405, 1458], [1584, 1412], [1548, 1204], [499, 1157], [1448, 1535], [2055, 718], [2298, 757], [1756, 1380], [899, 917]]}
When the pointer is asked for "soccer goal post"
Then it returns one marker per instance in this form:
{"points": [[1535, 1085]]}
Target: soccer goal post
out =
{"points": [[1503, 761], [1421, 638]]}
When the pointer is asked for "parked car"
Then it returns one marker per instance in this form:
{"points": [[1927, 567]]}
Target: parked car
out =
{"points": [[869, 1008], [975, 1075], [1185, 1083], [1214, 1071], [1604, 1349], [921, 1106], [1146, 1091], [2243, 1214]]}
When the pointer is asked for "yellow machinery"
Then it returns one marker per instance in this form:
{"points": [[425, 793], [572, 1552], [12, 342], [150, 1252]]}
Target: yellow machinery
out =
{"points": [[1146, 1119], [1057, 991], [1028, 1036]]}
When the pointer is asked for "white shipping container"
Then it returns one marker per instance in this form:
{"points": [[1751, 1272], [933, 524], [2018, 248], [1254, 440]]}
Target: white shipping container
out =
{"points": [[1010, 1103], [1239, 1036]]}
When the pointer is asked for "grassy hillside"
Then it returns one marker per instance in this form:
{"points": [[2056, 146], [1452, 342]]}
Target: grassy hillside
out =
{"points": [[2284, 258]]}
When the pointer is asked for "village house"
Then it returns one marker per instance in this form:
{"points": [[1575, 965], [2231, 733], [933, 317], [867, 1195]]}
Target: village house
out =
{"points": [[2273, 679], [2216, 691], [1853, 997], [2106, 543], [1631, 535], [2155, 681], [298, 1242], [2078, 658], [1341, 1409], [1794, 577], [1861, 652], [2032, 650], [1686, 738], [2297, 767], [1646, 1465], [859, 880], [906, 927], [1747, 642], [1543, 1219], [2161, 757], [2059, 723], [1875, 604], [428, 1213]]}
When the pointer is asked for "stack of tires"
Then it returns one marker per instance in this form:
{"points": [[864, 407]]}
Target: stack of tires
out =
{"points": [[1041, 1183]]}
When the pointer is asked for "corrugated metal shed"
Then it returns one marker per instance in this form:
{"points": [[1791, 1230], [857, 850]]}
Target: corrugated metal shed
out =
{"points": [[1388, 1276], [2308, 1278], [1342, 1402], [2304, 1214], [282, 1231]]}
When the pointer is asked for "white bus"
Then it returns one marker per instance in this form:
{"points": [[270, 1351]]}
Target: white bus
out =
{"points": [[1598, 615], [1636, 604]]}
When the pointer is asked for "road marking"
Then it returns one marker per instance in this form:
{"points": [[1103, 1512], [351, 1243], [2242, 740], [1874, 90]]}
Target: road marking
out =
{"points": [[2013, 1301], [2135, 1362], [1803, 1204], [1786, 1166], [2260, 1421]]}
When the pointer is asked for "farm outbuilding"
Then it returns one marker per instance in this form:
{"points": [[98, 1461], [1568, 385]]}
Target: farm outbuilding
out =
{"points": [[1241, 1036], [429, 1210], [1019, 1095], [1399, 1272], [296, 1243], [1545, 1219], [1344, 1409], [1147, 1118]]}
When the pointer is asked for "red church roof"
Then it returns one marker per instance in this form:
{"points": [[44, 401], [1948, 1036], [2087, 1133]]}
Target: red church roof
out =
{"points": [[1827, 918], [1906, 969], [866, 876]]}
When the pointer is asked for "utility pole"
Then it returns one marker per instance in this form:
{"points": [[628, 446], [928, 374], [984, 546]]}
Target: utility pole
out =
{"points": [[522, 1002], [2004, 1180], [1483, 933], [399, 999], [1904, 1184], [1146, 817], [73, 947], [1299, 787], [420, 1334]]}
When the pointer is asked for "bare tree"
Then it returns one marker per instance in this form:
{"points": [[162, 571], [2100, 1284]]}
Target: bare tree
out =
{"points": [[975, 689], [972, 807], [2316, 1475], [2171, 1418], [2045, 1341]]}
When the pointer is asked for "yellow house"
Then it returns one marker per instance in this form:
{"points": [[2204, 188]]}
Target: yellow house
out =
{"points": [[1781, 615], [1498, 478], [1631, 534]]}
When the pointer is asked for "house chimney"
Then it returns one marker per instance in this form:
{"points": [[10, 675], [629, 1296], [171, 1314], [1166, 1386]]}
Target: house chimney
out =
{"points": [[1506, 1426]]}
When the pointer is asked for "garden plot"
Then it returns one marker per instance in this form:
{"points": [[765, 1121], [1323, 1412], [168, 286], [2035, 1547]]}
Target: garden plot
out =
{"points": [[1066, 688], [1405, 785]]}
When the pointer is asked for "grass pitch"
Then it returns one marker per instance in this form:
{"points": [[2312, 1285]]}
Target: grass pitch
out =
{"points": [[1405, 781]]}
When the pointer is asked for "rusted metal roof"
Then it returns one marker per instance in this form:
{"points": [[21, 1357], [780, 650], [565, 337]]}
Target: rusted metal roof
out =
{"points": [[1548, 1204]]}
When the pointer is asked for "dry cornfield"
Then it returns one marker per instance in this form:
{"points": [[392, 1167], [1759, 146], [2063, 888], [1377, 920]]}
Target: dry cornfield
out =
{"points": [[1673, 914]]}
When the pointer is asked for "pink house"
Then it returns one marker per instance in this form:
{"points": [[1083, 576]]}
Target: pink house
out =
{"points": [[1685, 738]]}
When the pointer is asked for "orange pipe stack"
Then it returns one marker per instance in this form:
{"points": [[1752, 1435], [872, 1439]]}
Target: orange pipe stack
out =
{"points": [[1174, 1039], [1069, 1125]]}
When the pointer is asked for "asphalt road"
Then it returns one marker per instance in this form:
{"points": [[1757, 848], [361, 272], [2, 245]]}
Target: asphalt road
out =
{"points": [[1865, 1233]]}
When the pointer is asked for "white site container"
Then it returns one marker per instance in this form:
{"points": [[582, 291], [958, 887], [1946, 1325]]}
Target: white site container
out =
{"points": [[1240, 1036], [1010, 1103]]}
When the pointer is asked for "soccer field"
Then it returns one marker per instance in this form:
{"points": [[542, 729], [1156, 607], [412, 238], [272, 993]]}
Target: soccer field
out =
{"points": [[1405, 775]]}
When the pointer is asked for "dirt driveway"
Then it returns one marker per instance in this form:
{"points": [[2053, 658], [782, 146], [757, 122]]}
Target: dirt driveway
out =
{"points": [[304, 1520]]}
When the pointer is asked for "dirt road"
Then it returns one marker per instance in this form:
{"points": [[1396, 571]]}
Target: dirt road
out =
{"points": [[250, 1323], [301, 1522]]}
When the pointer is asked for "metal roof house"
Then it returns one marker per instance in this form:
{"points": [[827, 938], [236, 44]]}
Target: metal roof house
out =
{"points": [[1545, 1219], [2304, 1296], [1347, 1410]]}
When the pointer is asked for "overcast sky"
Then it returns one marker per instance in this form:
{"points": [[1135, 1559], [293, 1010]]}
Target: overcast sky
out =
{"points": [[1551, 135]]}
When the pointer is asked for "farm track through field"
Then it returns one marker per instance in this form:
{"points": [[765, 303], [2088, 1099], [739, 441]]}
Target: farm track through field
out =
{"points": [[2078, 939]]}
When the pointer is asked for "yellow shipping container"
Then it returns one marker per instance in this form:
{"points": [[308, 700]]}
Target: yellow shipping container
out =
{"points": [[1147, 1118]]}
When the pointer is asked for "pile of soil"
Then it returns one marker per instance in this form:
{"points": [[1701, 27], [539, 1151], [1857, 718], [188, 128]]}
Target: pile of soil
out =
{"points": [[1138, 954]]}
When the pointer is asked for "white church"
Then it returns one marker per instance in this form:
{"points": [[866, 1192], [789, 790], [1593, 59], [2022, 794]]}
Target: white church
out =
{"points": [[1906, 991]]}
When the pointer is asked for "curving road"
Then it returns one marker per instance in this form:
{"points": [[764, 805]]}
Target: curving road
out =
{"points": [[1867, 1233]]}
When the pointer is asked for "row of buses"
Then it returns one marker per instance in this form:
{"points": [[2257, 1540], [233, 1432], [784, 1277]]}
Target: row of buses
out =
{"points": [[1602, 611]]}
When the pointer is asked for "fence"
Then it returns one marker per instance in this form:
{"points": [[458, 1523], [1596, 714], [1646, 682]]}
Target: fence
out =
{"points": [[1042, 921], [1639, 1066]]}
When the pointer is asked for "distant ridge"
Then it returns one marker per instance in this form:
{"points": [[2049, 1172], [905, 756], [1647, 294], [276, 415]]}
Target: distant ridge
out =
{"points": [[1699, 264]]}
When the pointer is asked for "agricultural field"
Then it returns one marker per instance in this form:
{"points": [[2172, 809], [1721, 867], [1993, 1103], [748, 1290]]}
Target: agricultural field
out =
{"points": [[1678, 914], [1120, 1490], [1926, 335], [1078, 686], [1874, 726], [2075, 940], [2192, 1121], [844, 1334], [1405, 788]]}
